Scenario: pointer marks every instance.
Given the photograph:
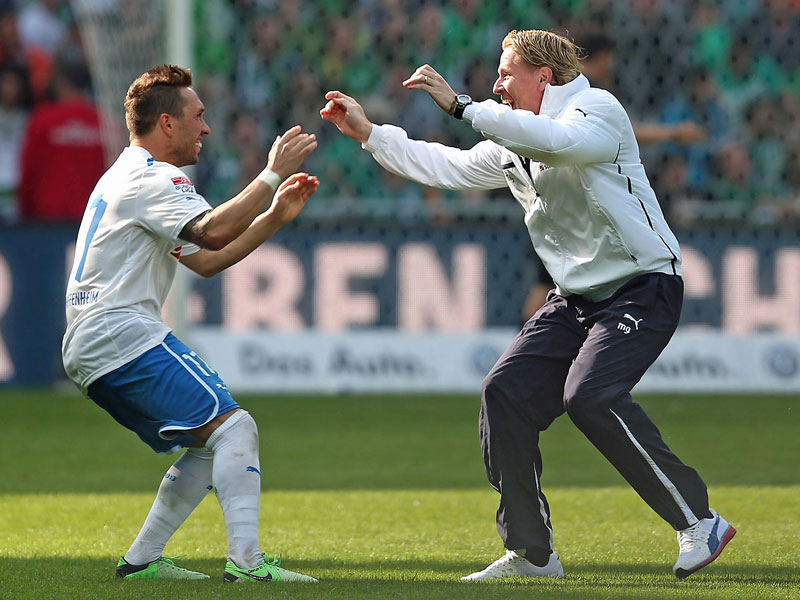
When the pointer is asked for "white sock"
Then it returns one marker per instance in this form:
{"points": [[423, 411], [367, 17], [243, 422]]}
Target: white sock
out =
{"points": [[183, 487], [237, 479]]}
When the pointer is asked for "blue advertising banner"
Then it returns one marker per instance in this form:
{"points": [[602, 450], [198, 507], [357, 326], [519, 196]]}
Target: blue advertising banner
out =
{"points": [[326, 278], [33, 272]]}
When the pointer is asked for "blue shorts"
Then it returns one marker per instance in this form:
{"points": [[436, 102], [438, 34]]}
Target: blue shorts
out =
{"points": [[162, 393]]}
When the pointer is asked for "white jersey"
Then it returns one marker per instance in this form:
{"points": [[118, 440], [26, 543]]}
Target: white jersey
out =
{"points": [[591, 214], [125, 260]]}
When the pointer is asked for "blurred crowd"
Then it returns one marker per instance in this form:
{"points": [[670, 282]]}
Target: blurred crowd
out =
{"points": [[51, 150], [712, 86]]}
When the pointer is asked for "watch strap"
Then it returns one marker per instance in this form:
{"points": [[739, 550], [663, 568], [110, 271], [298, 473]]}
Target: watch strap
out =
{"points": [[458, 113]]}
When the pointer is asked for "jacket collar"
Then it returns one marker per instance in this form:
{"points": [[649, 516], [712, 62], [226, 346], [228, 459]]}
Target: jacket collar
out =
{"points": [[556, 96]]}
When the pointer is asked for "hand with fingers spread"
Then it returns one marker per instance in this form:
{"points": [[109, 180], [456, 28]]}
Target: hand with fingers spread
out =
{"points": [[289, 150], [348, 115], [427, 79], [292, 196]]}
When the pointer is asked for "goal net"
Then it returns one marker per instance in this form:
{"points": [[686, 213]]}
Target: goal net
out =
{"points": [[122, 38]]}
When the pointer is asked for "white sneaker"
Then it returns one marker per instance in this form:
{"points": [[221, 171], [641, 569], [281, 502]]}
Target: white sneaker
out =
{"points": [[702, 543], [514, 565]]}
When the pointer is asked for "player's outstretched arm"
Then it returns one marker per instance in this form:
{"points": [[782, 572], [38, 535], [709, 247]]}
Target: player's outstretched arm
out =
{"points": [[287, 203], [348, 116], [217, 228]]}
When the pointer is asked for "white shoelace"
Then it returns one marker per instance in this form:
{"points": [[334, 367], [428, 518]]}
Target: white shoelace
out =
{"points": [[691, 537], [509, 561]]}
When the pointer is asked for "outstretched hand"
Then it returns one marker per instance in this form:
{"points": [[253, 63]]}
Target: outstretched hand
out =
{"points": [[347, 114], [427, 79], [290, 150], [292, 196]]}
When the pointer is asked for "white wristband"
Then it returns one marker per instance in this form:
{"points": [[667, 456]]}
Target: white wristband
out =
{"points": [[270, 177]]}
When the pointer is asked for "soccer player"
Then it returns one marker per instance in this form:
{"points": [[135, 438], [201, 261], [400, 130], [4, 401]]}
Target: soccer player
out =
{"points": [[569, 156], [144, 216]]}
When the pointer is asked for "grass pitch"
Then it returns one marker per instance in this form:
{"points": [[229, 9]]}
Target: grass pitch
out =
{"points": [[385, 497]]}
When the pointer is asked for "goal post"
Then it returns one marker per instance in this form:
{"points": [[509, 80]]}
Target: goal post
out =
{"points": [[122, 40], [179, 50]]}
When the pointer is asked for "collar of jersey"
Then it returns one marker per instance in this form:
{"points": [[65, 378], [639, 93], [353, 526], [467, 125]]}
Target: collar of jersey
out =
{"points": [[140, 151], [556, 96]]}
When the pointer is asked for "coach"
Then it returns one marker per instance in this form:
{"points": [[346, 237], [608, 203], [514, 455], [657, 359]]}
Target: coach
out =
{"points": [[569, 156]]}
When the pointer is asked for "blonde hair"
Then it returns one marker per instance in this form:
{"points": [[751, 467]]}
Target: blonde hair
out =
{"points": [[546, 49]]}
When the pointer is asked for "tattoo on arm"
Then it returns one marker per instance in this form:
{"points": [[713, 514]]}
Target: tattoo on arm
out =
{"points": [[195, 230]]}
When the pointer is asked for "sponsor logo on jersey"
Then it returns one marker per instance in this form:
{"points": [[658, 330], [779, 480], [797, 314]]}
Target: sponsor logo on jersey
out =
{"points": [[183, 184], [177, 252], [82, 298]]}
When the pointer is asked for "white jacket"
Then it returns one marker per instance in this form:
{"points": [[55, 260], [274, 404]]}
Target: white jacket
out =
{"points": [[592, 216]]}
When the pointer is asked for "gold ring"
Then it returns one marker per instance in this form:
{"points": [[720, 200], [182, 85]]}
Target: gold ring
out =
{"points": [[424, 79]]}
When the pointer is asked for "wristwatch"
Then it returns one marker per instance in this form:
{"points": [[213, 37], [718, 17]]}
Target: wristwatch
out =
{"points": [[462, 101]]}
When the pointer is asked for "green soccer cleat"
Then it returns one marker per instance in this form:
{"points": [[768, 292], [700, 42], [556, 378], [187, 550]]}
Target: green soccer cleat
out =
{"points": [[160, 568], [266, 571]]}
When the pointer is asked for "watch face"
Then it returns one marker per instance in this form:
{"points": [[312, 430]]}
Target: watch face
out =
{"points": [[463, 99]]}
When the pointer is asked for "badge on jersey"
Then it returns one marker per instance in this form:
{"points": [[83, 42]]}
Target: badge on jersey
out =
{"points": [[183, 184]]}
